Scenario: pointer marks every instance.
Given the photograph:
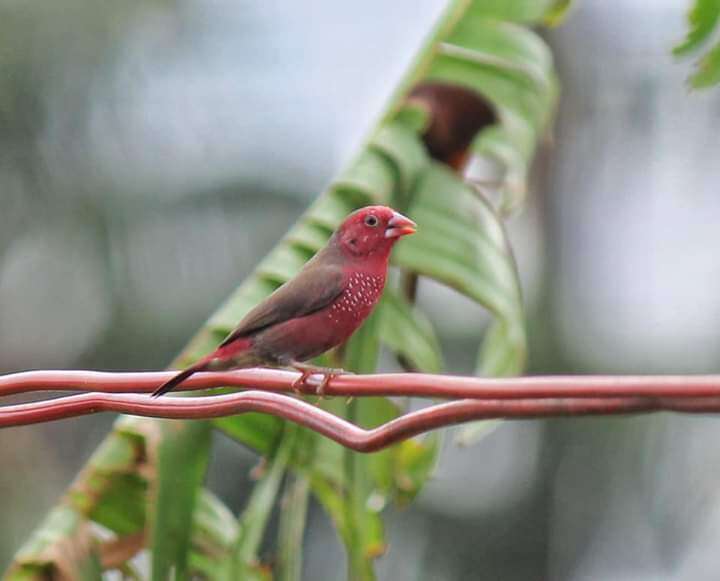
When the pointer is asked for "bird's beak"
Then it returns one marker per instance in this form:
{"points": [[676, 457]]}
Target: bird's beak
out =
{"points": [[399, 226]]}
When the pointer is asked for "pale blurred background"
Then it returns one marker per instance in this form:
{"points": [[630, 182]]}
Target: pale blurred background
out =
{"points": [[152, 151]]}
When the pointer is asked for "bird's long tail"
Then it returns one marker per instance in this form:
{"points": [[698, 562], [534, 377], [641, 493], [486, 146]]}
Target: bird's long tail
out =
{"points": [[178, 379]]}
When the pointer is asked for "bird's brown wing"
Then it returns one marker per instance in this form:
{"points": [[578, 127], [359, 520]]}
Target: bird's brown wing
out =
{"points": [[311, 290]]}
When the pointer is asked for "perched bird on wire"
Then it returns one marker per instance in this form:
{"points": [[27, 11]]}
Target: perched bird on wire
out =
{"points": [[318, 309]]}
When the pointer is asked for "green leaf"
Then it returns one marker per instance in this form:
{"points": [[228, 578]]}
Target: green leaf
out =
{"points": [[122, 507], [250, 293], [111, 490], [293, 514], [406, 331], [282, 263], [708, 70], [362, 545], [213, 537], [401, 146], [310, 236], [415, 461], [369, 180], [363, 348], [513, 144], [364, 536], [467, 240], [413, 116], [253, 522], [113, 493], [399, 472], [329, 210], [471, 254], [556, 14], [702, 20], [512, 67], [513, 53], [256, 430], [62, 547], [528, 11], [183, 458]]}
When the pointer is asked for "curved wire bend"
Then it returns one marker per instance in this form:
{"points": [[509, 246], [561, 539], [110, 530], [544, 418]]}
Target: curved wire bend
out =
{"points": [[338, 429]]}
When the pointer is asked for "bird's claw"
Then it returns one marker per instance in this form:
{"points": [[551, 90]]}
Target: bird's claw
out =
{"points": [[328, 374], [301, 381], [327, 377]]}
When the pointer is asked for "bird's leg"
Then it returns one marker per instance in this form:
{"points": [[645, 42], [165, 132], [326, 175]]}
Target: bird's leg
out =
{"points": [[306, 370]]}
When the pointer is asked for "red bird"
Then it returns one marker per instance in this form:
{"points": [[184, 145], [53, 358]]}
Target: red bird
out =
{"points": [[318, 309]]}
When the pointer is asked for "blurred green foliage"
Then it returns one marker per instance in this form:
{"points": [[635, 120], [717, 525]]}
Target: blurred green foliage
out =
{"points": [[703, 19]]}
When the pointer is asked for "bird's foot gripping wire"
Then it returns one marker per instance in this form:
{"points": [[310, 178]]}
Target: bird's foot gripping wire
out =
{"points": [[307, 371]]}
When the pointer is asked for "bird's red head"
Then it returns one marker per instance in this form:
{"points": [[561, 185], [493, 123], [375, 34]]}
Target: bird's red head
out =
{"points": [[373, 230]]}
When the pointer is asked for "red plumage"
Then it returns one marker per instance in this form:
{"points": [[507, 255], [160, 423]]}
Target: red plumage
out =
{"points": [[318, 309]]}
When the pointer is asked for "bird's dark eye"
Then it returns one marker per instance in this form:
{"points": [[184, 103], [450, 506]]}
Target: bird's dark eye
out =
{"points": [[371, 221]]}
